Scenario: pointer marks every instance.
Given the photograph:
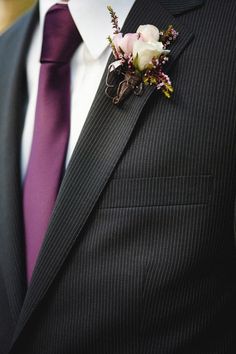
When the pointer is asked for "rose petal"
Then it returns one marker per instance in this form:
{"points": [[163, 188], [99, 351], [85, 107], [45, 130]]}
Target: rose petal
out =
{"points": [[149, 33]]}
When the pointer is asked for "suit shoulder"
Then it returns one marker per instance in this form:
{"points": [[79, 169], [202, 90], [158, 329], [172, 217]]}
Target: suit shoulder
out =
{"points": [[11, 37], [220, 5]]}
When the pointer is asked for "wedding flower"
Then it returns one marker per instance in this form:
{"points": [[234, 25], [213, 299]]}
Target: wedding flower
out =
{"points": [[149, 33], [139, 60], [145, 52], [125, 43]]}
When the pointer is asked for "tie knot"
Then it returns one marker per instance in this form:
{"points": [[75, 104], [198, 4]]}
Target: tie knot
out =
{"points": [[60, 35]]}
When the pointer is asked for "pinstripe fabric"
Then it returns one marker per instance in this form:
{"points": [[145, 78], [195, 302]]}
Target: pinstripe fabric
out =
{"points": [[140, 255]]}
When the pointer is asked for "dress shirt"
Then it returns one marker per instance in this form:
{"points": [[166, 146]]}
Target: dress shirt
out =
{"points": [[87, 65]]}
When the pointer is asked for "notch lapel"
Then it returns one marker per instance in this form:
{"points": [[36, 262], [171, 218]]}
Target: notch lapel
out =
{"points": [[177, 7], [12, 102], [100, 146]]}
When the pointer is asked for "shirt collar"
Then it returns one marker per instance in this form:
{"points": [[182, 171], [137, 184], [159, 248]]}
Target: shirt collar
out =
{"points": [[92, 20]]}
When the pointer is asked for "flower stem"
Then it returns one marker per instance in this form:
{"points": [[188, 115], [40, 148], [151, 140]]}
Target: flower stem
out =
{"points": [[114, 20]]}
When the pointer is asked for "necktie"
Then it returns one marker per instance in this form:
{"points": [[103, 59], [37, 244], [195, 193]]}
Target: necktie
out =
{"points": [[51, 129]]}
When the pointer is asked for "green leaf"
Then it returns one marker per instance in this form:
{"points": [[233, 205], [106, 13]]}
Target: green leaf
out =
{"points": [[135, 63]]}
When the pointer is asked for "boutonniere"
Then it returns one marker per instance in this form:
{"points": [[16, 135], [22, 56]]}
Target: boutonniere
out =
{"points": [[139, 60]]}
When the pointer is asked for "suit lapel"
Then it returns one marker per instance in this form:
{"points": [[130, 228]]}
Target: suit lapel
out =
{"points": [[12, 103], [177, 7], [100, 145]]}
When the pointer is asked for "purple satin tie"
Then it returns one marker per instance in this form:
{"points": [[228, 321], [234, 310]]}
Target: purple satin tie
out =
{"points": [[51, 130]]}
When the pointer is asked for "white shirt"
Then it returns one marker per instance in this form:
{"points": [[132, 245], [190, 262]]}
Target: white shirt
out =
{"points": [[87, 65]]}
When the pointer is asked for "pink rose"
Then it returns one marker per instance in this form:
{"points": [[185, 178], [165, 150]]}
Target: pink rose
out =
{"points": [[125, 43]]}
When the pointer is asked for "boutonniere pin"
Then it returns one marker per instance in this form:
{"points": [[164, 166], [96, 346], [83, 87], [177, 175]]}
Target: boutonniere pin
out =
{"points": [[139, 60]]}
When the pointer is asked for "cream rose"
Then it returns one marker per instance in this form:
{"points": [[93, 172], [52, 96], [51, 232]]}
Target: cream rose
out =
{"points": [[149, 33], [144, 52]]}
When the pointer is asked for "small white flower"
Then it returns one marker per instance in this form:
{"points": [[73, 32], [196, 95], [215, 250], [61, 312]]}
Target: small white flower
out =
{"points": [[144, 52], [149, 33]]}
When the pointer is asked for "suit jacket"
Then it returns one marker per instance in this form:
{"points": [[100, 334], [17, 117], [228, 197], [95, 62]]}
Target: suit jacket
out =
{"points": [[139, 255]]}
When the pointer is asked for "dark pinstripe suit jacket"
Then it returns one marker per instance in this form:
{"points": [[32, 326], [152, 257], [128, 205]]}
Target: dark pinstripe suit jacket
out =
{"points": [[139, 256]]}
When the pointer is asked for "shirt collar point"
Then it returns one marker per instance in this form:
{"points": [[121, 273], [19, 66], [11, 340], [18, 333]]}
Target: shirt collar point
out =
{"points": [[96, 51]]}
